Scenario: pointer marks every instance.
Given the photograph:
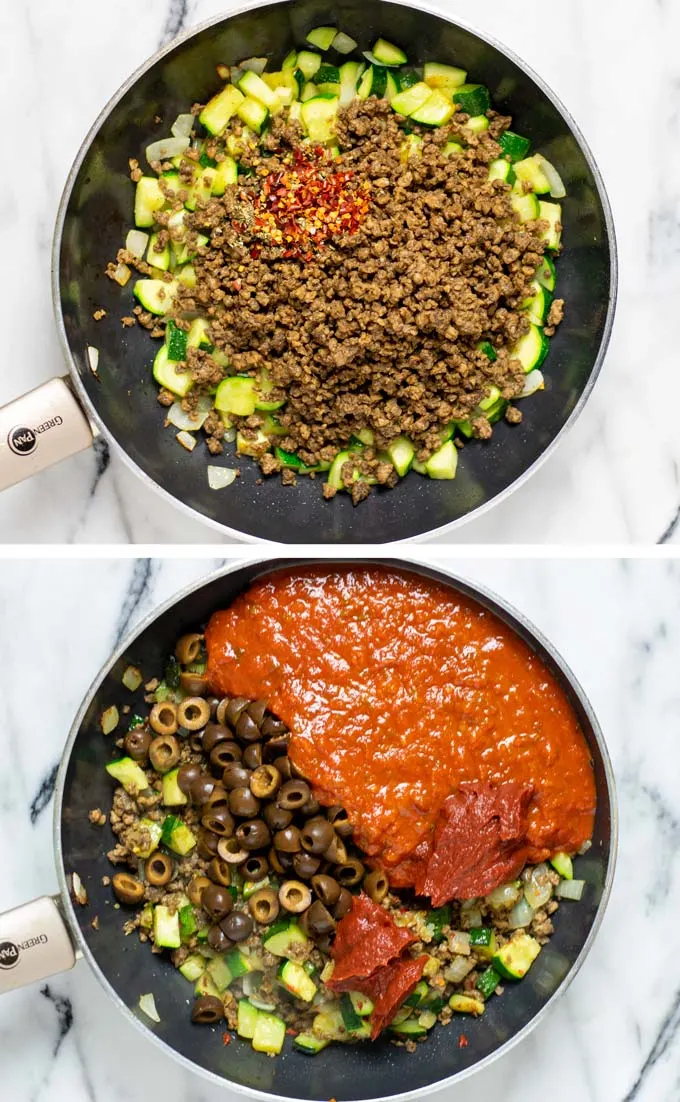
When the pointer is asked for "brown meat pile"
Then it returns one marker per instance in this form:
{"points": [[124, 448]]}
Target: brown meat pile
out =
{"points": [[379, 330]]}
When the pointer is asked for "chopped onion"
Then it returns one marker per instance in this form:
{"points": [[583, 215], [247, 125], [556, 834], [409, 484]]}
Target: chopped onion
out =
{"points": [[557, 188], [108, 720], [182, 126], [132, 678], [79, 890], [136, 242], [504, 896], [585, 847], [534, 381], [251, 983], [147, 1005], [166, 148], [382, 64], [459, 942], [93, 358], [254, 64], [122, 274], [186, 440], [261, 1005], [458, 969], [343, 43], [538, 889], [230, 434], [471, 915], [570, 889], [220, 477], [186, 421], [521, 915]]}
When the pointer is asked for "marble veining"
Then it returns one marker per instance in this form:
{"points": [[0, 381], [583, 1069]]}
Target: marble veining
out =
{"points": [[615, 1036], [616, 477]]}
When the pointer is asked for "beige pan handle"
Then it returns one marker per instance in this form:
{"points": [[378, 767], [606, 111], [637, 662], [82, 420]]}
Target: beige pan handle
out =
{"points": [[34, 943], [40, 429]]}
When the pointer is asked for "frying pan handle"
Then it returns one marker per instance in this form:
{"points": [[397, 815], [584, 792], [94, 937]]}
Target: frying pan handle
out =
{"points": [[40, 429], [34, 943]]}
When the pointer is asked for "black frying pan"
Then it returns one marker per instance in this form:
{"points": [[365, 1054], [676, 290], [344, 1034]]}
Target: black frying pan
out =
{"points": [[96, 213], [128, 969]]}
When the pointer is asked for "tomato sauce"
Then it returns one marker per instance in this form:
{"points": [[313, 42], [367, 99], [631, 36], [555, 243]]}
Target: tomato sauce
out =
{"points": [[397, 689]]}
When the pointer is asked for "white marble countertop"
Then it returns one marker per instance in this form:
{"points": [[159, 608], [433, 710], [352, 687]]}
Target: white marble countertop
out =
{"points": [[612, 480], [615, 1037]]}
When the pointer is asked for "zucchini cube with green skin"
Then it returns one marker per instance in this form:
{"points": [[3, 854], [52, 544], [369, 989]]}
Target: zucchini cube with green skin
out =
{"points": [[176, 341], [247, 1017], [514, 959], [514, 146], [129, 774], [408, 101], [502, 170], [531, 349], [253, 113], [226, 175], [309, 1044], [256, 88], [526, 207], [563, 865], [269, 1034], [155, 295], [148, 199], [239, 964], [529, 171], [483, 941], [166, 928], [181, 840], [361, 1003], [436, 110], [488, 981], [452, 149], [220, 973], [466, 1004], [187, 922], [152, 835], [546, 275], [388, 54], [442, 464], [477, 124], [159, 258], [172, 793], [444, 77], [410, 1028], [552, 214], [538, 304], [282, 938], [220, 109], [318, 117], [236, 395], [293, 977], [401, 454], [264, 387], [308, 63], [322, 37], [473, 99], [193, 967], [205, 986], [170, 374]]}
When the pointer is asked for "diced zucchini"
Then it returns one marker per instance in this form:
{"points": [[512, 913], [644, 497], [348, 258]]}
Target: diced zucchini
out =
{"points": [[247, 1017], [502, 170], [318, 117], [129, 774], [452, 148], [181, 840], [308, 63], [388, 54], [205, 986], [176, 341], [391, 88], [253, 113], [361, 1003], [308, 1043], [327, 74], [466, 1004], [198, 335], [349, 76], [246, 446], [427, 1019], [351, 1020], [263, 387], [187, 922], [218, 111], [473, 99], [529, 171], [220, 973], [289, 61], [444, 77], [531, 349], [401, 453], [335, 473], [193, 967], [255, 87], [406, 78], [488, 349], [420, 993], [552, 214], [443, 463], [236, 395], [562, 864], [538, 305], [525, 206], [309, 91], [372, 83], [483, 941], [514, 146], [239, 964], [546, 275], [269, 1034], [167, 373], [155, 295], [172, 793], [148, 199], [201, 191], [153, 831], [477, 124], [166, 928], [322, 37], [408, 101], [410, 1028], [226, 174], [514, 959], [281, 938], [435, 111], [159, 259], [411, 147], [488, 982], [294, 978], [329, 1025]]}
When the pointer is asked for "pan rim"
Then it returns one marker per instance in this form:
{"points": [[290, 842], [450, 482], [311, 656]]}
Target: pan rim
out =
{"points": [[499, 606], [216, 525]]}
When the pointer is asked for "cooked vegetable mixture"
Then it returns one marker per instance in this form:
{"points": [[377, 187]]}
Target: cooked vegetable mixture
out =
{"points": [[350, 264], [264, 902]]}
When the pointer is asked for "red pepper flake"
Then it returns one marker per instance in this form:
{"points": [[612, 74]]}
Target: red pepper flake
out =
{"points": [[462, 1041], [226, 1038], [291, 1032]]}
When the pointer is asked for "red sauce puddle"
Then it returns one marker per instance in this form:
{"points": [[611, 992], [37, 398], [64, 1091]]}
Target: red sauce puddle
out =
{"points": [[397, 689]]}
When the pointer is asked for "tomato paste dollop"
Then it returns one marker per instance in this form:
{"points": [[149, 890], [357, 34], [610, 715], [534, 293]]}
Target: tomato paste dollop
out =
{"points": [[388, 987], [399, 691], [366, 938]]}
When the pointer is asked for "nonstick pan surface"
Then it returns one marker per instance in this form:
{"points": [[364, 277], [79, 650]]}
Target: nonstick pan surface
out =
{"points": [[96, 213]]}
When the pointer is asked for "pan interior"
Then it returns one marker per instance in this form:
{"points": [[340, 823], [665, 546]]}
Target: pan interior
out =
{"points": [[362, 1072], [99, 213]]}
